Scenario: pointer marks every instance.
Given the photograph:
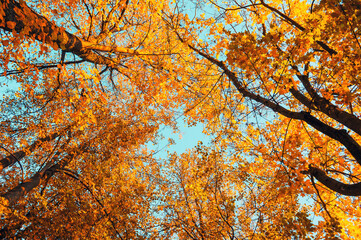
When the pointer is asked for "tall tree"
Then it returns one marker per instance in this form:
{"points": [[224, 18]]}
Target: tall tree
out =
{"points": [[286, 93], [84, 91]]}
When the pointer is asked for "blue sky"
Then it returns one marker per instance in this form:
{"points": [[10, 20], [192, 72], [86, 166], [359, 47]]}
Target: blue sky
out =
{"points": [[186, 138]]}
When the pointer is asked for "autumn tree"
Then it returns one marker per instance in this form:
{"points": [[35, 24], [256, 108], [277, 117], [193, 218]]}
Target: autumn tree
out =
{"points": [[286, 94], [84, 90]]}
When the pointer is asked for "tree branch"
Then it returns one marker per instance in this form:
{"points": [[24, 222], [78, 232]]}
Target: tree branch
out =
{"points": [[339, 135], [321, 104], [334, 185], [24, 21]]}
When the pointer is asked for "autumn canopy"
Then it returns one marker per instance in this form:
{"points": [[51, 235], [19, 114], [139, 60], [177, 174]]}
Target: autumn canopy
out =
{"points": [[87, 86]]}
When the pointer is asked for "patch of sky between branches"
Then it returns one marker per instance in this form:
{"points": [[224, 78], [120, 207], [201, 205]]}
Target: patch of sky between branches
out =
{"points": [[186, 137]]}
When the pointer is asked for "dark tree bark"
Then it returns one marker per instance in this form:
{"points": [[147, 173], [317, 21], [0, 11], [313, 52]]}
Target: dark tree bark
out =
{"points": [[43, 176], [334, 185]]}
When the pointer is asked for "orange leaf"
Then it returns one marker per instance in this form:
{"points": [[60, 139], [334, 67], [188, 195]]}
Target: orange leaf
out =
{"points": [[11, 24]]}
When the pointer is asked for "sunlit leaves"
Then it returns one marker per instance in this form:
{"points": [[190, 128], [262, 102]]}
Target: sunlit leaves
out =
{"points": [[89, 83]]}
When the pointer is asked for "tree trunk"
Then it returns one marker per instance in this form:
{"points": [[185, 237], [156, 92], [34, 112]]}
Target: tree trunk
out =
{"points": [[44, 175]]}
